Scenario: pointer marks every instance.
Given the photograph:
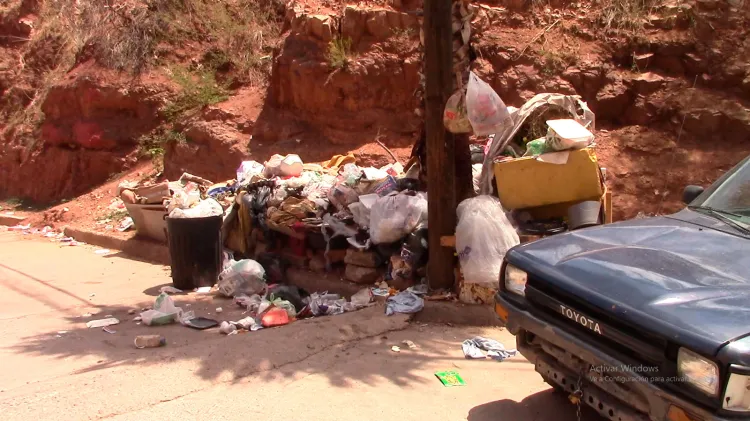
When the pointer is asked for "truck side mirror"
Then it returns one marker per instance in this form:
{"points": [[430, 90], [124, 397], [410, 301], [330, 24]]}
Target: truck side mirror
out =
{"points": [[690, 193]]}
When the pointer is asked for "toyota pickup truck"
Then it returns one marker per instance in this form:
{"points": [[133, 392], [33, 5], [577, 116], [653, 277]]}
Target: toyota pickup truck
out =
{"points": [[647, 319]]}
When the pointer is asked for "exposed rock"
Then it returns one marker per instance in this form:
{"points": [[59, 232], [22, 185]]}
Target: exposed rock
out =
{"points": [[222, 142], [640, 112], [321, 27], [361, 275], [612, 101], [377, 24], [703, 121], [353, 23], [643, 60], [694, 64], [362, 258], [647, 83]]}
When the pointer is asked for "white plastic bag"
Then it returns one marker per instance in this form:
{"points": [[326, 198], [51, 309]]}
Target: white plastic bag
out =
{"points": [[273, 165], [249, 169], [483, 236], [205, 208], [395, 216], [291, 166], [164, 312], [487, 113], [244, 277]]}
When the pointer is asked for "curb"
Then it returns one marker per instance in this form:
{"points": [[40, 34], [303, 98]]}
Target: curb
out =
{"points": [[443, 312], [10, 220], [148, 251], [456, 313]]}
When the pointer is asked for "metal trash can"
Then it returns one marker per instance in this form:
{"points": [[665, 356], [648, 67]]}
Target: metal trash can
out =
{"points": [[195, 251]]}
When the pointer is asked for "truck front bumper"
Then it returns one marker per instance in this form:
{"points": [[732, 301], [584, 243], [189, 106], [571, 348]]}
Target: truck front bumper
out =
{"points": [[565, 360]]}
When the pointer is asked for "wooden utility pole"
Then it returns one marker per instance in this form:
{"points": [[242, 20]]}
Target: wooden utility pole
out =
{"points": [[441, 166]]}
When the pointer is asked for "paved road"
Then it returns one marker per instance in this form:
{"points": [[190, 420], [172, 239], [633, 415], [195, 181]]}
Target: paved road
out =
{"points": [[334, 368]]}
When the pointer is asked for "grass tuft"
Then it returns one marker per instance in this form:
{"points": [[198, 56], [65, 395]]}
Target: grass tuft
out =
{"points": [[339, 52]]}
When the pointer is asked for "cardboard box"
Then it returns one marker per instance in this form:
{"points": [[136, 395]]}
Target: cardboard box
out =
{"points": [[529, 182]]}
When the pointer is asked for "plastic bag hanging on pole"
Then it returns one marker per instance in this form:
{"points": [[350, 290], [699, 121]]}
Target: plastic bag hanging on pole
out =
{"points": [[487, 113], [454, 115]]}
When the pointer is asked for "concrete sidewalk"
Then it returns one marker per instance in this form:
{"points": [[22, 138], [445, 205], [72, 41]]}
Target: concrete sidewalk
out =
{"points": [[339, 367]]}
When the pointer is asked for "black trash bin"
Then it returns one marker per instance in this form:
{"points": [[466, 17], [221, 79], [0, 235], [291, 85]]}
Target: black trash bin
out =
{"points": [[195, 251]]}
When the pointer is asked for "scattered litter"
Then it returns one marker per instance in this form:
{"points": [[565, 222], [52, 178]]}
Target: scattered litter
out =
{"points": [[450, 378], [219, 310], [201, 323], [86, 315], [126, 224], [102, 322], [228, 328], [137, 319], [410, 344], [108, 315], [203, 290], [164, 311], [149, 341], [92, 294], [248, 323], [380, 292], [474, 349], [131, 311], [421, 289], [170, 290], [275, 317], [108, 330], [103, 251], [395, 348], [362, 298], [404, 302], [62, 332]]}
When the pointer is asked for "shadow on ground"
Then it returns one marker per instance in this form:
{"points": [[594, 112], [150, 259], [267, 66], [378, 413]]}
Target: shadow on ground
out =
{"points": [[539, 406], [309, 346]]}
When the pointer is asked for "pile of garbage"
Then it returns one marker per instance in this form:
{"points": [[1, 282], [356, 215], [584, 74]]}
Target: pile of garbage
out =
{"points": [[368, 223]]}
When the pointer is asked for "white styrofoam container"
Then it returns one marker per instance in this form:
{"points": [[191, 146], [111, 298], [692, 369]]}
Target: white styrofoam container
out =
{"points": [[567, 134]]}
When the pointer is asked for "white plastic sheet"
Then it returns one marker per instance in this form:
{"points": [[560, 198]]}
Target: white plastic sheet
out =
{"points": [[483, 236]]}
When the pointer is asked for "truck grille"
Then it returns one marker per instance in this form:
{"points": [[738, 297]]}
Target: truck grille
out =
{"points": [[628, 342]]}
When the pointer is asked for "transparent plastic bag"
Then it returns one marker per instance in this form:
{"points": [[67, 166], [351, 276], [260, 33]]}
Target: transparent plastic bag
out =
{"points": [[486, 112], [244, 277], [164, 312], [483, 236], [395, 216]]}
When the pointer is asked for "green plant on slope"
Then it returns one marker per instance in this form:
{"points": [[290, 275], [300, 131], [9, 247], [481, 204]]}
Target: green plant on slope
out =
{"points": [[197, 89], [628, 15], [339, 52]]}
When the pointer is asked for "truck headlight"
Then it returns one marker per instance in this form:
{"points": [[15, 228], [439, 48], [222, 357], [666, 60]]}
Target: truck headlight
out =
{"points": [[699, 372], [737, 395], [515, 280]]}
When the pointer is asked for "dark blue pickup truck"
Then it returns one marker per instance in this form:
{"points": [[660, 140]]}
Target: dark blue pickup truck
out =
{"points": [[647, 319]]}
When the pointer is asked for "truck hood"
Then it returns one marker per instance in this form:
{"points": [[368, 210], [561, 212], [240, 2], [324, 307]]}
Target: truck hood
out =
{"points": [[673, 276]]}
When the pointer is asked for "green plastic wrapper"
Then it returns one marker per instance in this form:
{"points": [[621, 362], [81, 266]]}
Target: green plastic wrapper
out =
{"points": [[536, 147], [450, 378]]}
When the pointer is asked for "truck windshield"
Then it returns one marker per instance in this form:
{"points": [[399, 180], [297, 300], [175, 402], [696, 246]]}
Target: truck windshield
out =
{"points": [[731, 197]]}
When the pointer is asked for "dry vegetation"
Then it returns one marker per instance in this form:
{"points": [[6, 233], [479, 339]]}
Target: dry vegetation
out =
{"points": [[234, 38]]}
